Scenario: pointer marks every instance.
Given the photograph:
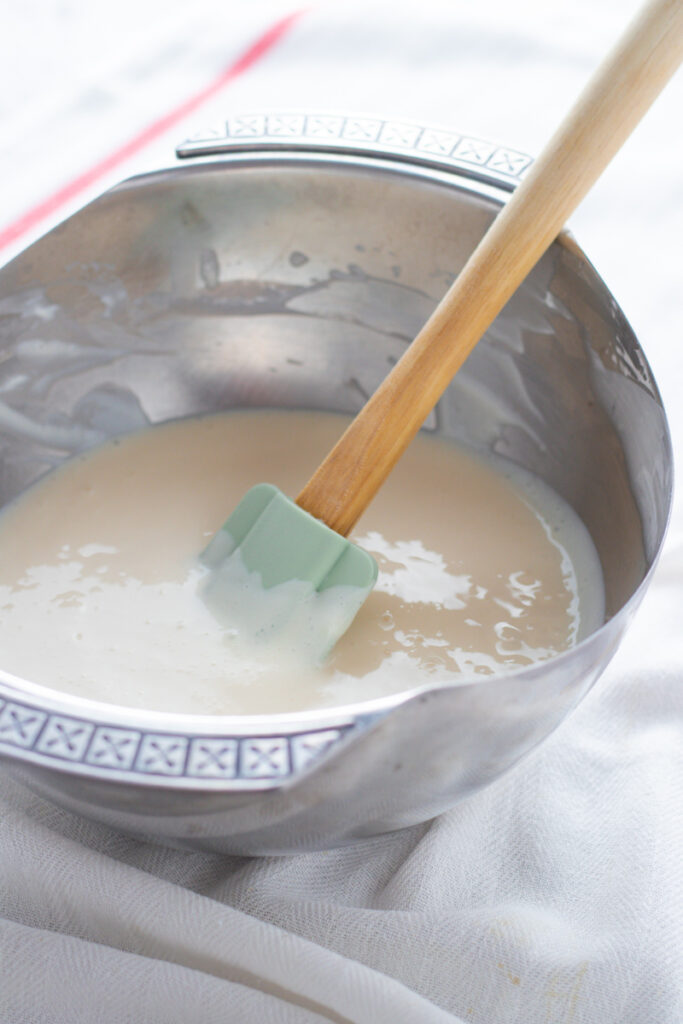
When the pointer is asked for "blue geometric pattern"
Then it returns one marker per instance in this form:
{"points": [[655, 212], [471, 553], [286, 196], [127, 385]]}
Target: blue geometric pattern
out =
{"points": [[138, 753], [463, 153]]}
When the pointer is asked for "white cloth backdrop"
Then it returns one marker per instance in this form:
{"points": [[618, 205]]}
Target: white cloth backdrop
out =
{"points": [[554, 897]]}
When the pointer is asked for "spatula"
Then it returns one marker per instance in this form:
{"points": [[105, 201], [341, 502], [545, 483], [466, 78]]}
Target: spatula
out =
{"points": [[284, 568]]}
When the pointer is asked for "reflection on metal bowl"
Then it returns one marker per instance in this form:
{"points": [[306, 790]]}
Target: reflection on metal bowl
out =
{"points": [[290, 270]]}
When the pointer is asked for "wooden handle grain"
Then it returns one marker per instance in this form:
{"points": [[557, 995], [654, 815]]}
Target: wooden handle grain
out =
{"points": [[615, 99]]}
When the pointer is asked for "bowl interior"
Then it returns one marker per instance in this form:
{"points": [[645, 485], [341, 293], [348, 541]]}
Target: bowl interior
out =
{"points": [[297, 280], [298, 283]]}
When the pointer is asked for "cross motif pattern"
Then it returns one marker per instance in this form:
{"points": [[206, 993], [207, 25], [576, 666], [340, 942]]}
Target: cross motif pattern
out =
{"points": [[306, 749], [65, 737], [442, 143], [509, 162], [396, 134], [474, 151], [320, 126], [162, 755], [286, 124], [113, 748], [265, 758], [249, 125], [19, 725], [212, 759], [362, 129]]}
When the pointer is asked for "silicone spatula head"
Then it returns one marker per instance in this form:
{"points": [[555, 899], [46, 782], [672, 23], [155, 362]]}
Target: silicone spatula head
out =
{"points": [[276, 572]]}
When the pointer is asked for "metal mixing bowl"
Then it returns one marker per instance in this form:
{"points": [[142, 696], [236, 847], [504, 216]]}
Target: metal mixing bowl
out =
{"points": [[288, 263]]}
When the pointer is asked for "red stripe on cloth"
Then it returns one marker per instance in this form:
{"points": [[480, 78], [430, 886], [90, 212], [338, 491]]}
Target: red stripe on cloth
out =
{"points": [[67, 192]]}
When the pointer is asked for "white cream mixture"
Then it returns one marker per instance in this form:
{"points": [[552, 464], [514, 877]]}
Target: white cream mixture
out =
{"points": [[482, 569]]}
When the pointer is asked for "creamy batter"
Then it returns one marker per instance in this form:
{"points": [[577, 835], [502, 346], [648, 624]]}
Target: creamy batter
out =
{"points": [[483, 569]]}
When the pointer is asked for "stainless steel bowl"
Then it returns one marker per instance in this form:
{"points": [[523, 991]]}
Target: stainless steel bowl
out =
{"points": [[288, 263]]}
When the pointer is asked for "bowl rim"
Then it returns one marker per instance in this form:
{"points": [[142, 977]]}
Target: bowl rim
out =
{"points": [[363, 135]]}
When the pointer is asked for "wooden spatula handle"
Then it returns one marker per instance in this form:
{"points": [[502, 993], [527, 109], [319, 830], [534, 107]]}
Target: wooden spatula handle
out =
{"points": [[615, 99]]}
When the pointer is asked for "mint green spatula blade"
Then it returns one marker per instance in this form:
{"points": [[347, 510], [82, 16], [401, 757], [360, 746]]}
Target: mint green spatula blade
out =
{"points": [[276, 570]]}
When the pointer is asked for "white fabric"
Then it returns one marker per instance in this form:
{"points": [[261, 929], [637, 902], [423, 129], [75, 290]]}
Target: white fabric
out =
{"points": [[555, 896]]}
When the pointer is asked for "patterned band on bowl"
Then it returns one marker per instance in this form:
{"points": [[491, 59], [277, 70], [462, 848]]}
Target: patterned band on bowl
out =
{"points": [[370, 136], [255, 759]]}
